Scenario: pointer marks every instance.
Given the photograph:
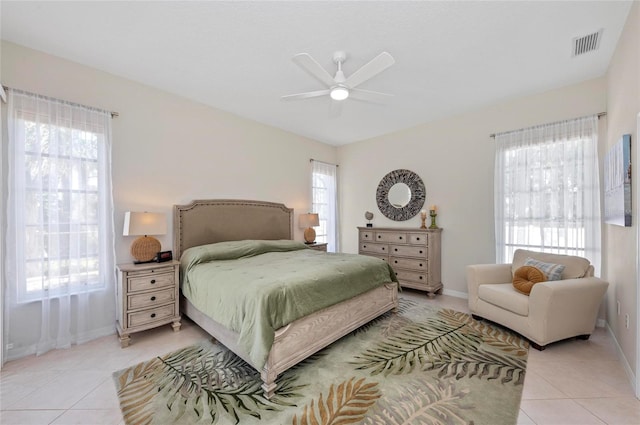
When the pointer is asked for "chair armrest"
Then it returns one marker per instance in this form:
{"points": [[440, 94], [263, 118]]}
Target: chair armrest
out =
{"points": [[479, 274], [573, 304]]}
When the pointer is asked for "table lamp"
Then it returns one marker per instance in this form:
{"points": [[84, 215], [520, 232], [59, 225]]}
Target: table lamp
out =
{"points": [[307, 221], [145, 248]]}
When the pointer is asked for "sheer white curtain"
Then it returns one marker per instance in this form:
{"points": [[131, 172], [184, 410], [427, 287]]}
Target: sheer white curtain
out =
{"points": [[547, 191], [324, 188], [59, 245]]}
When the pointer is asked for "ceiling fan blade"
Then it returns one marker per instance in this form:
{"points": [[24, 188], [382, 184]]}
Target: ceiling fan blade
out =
{"points": [[378, 64], [306, 95], [335, 108], [313, 68], [369, 96]]}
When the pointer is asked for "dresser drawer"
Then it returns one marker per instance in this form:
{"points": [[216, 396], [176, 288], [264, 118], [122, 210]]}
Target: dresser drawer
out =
{"points": [[152, 315], [374, 248], [366, 236], [410, 276], [395, 237], [408, 251], [417, 239], [149, 299], [150, 281], [384, 258], [409, 263]]}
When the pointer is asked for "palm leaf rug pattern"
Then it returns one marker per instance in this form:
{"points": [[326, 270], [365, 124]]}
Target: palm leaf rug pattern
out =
{"points": [[420, 365]]}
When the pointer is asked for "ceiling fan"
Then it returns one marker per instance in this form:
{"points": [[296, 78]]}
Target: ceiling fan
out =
{"points": [[339, 87]]}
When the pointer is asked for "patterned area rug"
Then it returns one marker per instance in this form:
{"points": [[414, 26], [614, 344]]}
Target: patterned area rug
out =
{"points": [[419, 366]]}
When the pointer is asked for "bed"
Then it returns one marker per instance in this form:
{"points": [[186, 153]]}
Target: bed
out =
{"points": [[204, 222]]}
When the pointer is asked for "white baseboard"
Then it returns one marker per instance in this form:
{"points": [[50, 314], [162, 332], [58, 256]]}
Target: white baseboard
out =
{"points": [[456, 294], [623, 360], [601, 323]]}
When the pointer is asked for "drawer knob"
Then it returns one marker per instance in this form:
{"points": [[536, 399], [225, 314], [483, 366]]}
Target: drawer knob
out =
{"points": [[396, 261], [366, 236], [420, 264], [364, 246], [383, 248], [154, 298], [379, 236], [154, 315], [395, 249], [420, 251], [153, 281], [420, 277], [400, 237], [418, 238]]}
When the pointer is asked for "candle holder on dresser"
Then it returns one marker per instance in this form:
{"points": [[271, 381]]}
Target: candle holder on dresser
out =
{"points": [[433, 215], [423, 217]]}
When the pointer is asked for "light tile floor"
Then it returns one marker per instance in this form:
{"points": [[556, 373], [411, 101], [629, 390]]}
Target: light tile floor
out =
{"points": [[571, 382]]}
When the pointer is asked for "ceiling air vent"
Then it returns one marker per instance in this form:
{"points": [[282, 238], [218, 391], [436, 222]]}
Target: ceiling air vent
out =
{"points": [[586, 43]]}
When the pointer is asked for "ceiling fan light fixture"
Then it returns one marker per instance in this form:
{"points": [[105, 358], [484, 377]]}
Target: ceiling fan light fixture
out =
{"points": [[339, 93]]}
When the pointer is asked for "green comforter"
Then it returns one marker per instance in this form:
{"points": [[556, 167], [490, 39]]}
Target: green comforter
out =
{"points": [[256, 287]]}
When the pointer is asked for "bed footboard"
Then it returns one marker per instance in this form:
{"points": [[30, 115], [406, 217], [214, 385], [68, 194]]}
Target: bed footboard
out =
{"points": [[304, 337]]}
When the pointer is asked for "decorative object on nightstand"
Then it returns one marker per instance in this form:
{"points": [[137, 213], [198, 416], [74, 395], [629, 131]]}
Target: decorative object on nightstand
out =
{"points": [[433, 212], [369, 215], [320, 246], [143, 224], [307, 222], [414, 254], [147, 297], [423, 217]]}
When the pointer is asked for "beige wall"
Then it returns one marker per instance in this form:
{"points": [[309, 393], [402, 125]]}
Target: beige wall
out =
{"points": [[455, 159], [621, 245], [169, 150]]}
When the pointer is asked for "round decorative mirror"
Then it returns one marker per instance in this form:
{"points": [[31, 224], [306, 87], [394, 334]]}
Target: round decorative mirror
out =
{"points": [[400, 195]]}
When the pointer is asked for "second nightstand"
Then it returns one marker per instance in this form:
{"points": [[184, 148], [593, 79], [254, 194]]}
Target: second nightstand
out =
{"points": [[147, 297], [318, 246]]}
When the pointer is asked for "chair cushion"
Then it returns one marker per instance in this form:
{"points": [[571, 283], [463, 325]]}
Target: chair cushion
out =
{"points": [[525, 277], [505, 296], [551, 271], [574, 267]]}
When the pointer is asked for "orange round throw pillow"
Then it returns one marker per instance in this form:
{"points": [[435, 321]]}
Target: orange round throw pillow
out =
{"points": [[525, 277]]}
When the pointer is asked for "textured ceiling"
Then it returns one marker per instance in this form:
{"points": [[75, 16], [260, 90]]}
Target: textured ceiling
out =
{"points": [[451, 56]]}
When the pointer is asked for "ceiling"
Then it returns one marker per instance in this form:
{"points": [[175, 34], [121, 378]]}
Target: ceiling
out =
{"points": [[451, 56]]}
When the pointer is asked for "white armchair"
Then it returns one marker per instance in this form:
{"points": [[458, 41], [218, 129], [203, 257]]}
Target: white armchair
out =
{"points": [[554, 310]]}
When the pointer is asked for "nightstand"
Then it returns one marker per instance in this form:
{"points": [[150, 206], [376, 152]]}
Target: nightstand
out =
{"points": [[318, 246], [147, 297]]}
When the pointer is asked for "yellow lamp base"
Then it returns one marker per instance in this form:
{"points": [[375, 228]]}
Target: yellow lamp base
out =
{"points": [[145, 248], [309, 235]]}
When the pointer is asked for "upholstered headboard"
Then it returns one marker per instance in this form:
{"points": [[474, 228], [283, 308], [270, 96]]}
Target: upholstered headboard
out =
{"points": [[217, 220]]}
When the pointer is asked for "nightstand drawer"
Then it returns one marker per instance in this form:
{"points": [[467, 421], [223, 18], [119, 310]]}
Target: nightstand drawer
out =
{"points": [[152, 281], [408, 263], [150, 298], [408, 251], [374, 248], [156, 268], [396, 237], [149, 316]]}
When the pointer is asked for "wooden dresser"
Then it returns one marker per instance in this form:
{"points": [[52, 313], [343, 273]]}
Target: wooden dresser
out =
{"points": [[414, 254]]}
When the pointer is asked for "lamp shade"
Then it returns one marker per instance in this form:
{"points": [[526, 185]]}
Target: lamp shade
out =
{"points": [[144, 223], [308, 220]]}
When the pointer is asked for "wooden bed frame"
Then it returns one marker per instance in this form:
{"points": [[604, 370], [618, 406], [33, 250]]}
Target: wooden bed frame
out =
{"points": [[209, 221]]}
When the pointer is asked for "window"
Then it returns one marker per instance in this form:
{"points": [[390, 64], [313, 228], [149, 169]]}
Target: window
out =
{"points": [[547, 195], [325, 202], [59, 197]]}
